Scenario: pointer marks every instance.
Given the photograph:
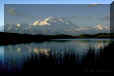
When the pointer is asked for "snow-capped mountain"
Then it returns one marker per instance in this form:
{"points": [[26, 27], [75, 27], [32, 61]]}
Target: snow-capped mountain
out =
{"points": [[51, 21], [102, 27], [55, 25], [99, 28]]}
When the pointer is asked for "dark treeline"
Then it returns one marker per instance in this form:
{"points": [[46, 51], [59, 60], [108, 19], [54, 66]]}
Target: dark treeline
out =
{"points": [[14, 38]]}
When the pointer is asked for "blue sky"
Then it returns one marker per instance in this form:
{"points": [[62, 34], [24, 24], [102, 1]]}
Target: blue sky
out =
{"points": [[2, 2], [78, 14], [57, 1]]}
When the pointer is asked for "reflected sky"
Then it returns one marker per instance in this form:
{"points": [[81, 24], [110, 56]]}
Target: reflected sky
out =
{"points": [[1, 54]]}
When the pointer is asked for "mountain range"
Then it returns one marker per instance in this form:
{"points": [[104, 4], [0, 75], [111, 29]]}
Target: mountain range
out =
{"points": [[55, 25]]}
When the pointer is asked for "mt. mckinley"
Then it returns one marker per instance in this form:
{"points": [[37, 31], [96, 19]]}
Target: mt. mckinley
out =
{"points": [[55, 25]]}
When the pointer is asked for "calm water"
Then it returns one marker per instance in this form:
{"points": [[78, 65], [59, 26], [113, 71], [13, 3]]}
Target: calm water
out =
{"points": [[15, 56]]}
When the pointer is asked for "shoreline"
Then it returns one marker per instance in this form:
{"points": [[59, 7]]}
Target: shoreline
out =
{"points": [[14, 38]]}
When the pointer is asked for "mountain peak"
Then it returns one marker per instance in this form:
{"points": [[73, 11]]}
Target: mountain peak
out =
{"points": [[41, 23], [18, 25], [48, 21], [100, 27]]}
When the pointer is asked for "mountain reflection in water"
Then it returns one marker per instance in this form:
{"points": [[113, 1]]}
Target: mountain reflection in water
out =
{"points": [[14, 57]]}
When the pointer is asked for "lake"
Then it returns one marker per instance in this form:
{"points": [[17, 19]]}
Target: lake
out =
{"points": [[62, 51]]}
